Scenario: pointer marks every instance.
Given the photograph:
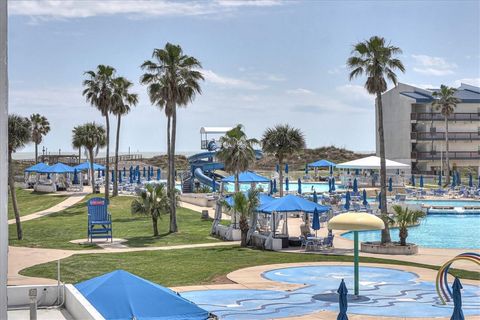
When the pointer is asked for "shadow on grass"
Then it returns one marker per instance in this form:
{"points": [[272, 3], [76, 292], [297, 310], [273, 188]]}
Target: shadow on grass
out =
{"points": [[145, 241]]}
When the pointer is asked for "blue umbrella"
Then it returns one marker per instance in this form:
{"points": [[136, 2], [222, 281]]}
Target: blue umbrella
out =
{"points": [[390, 184], [124, 172], [365, 202], [130, 177], [103, 173], [421, 181], [306, 168], [277, 168], [286, 168], [457, 300], [130, 170], [138, 176], [355, 186], [149, 176], [315, 197], [342, 301], [454, 180], [331, 170], [120, 177], [459, 179], [99, 174], [440, 179], [329, 184], [270, 191], [75, 177], [357, 172], [159, 174], [348, 171], [347, 201], [470, 180], [413, 180], [380, 200], [315, 221], [144, 172], [299, 190], [287, 187], [275, 186], [113, 176], [333, 183]]}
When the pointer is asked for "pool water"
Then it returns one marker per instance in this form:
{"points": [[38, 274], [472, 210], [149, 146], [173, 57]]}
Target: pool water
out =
{"points": [[436, 231], [307, 187], [447, 203], [389, 292]]}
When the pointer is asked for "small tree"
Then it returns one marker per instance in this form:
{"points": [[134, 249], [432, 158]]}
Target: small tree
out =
{"points": [[404, 218], [40, 128], [19, 134], [152, 201]]}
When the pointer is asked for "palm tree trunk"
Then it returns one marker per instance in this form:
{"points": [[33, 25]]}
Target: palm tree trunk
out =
{"points": [[117, 144], [447, 157], [169, 122], [237, 183], [383, 172], [92, 172], [107, 159], [280, 174], [173, 209], [13, 194], [36, 152], [155, 226]]}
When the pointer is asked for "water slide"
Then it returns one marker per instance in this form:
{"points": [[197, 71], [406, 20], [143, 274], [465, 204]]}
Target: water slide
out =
{"points": [[204, 179]]}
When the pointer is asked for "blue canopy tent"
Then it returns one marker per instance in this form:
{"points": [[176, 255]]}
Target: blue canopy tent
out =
{"points": [[247, 176], [86, 166], [299, 184], [322, 163], [57, 168], [121, 295], [39, 167]]}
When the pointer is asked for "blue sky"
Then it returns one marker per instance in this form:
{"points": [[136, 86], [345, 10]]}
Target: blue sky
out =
{"points": [[265, 62]]}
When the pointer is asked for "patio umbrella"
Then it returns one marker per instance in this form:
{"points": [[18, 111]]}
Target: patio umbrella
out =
{"points": [[159, 174], [329, 185], [348, 171], [331, 170], [144, 172], [355, 186], [459, 178], [99, 174], [457, 301], [365, 202], [286, 167], [390, 184], [130, 177], [277, 168], [75, 177], [287, 186], [357, 172], [421, 181], [315, 197], [316, 221], [103, 173], [306, 168], [270, 192], [347, 201], [454, 180], [333, 183], [299, 183], [440, 179], [342, 301], [275, 186], [120, 177], [149, 176], [413, 180], [470, 180], [138, 177], [124, 172], [113, 176], [380, 200]]}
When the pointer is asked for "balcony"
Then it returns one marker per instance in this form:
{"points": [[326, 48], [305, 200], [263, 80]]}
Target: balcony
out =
{"points": [[455, 155], [454, 136], [435, 116]]}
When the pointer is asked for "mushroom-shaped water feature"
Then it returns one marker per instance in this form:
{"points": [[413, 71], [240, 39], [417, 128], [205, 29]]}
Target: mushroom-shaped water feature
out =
{"points": [[356, 221]]}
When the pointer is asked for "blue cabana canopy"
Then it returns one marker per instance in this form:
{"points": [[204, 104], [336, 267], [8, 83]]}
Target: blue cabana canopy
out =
{"points": [[37, 167], [322, 163], [86, 166], [292, 203], [247, 176], [264, 199], [57, 168], [121, 295]]}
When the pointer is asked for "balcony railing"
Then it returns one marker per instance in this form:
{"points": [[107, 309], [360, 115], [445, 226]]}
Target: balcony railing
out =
{"points": [[435, 116], [457, 155], [441, 135]]}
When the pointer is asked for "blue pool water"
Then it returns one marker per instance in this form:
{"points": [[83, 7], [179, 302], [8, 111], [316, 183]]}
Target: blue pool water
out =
{"points": [[447, 203], [436, 231], [293, 187], [390, 293]]}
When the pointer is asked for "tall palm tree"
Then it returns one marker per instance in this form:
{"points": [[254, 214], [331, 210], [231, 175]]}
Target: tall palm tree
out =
{"points": [[280, 141], [91, 136], [152, 201], [376, 59], [99, 93], [40, 127], [123, 100], [173, 80], [446, 102], [236, 152], [19, 134], [404, 218]]}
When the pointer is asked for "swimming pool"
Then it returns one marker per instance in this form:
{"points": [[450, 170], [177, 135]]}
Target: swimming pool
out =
{"points": [[446, 203], [307, 187], [387, 292], [436, 231]]}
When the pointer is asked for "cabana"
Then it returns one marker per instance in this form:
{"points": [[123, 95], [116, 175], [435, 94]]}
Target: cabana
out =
{"points": [[60, 178], [366, 170], [247, 177], [322, 164], [121, 295], [31, 180]]}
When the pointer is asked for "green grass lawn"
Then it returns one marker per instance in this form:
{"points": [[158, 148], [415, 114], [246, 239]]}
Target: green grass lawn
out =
{"points": [[188, 266], [30, 202], [57, 229]]}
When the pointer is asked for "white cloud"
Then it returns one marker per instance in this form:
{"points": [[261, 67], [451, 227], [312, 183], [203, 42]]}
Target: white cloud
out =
{"points": [[470, 81], [434, 66], [64, 9], [228, 82], [300, 91], [354, 92]]}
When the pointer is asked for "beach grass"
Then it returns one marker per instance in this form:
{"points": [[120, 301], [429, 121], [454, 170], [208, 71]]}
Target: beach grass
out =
{"points": [[194, 266], [57, 229], [30, 201]]}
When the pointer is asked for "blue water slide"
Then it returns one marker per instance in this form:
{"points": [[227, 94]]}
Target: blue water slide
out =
{"points": [[203, 179]]}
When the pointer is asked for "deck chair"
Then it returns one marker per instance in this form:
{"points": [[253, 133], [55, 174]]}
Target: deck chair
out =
{"points": [[99, 219]]}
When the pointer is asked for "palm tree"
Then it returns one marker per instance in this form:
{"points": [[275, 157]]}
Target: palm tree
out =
{"points": [[123, 100], [19, 134], [377, 61], [446, 102], [247, 206], [281, 141], [92, 137], [40, 127], [236, 152], [152, 201], [173, 80], [99, 93], [404, 218]]}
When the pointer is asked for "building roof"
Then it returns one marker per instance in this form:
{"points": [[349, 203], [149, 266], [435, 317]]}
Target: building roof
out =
{"points": [[247, 176], [322, 163], [371, 162], [466, 93]]}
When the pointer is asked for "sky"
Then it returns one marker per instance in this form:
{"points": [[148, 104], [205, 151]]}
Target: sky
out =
{"points": [[265, 62]]}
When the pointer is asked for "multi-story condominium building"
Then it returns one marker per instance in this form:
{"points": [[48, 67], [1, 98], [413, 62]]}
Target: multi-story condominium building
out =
{"points": [[415, 130]]}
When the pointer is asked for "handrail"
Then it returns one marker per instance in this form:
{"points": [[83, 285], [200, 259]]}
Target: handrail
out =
{"points": [[441, 135], [436, 116], [436, 155]]}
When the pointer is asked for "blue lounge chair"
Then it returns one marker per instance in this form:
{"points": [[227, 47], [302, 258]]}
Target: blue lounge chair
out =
{"points": [[99, 219]]}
